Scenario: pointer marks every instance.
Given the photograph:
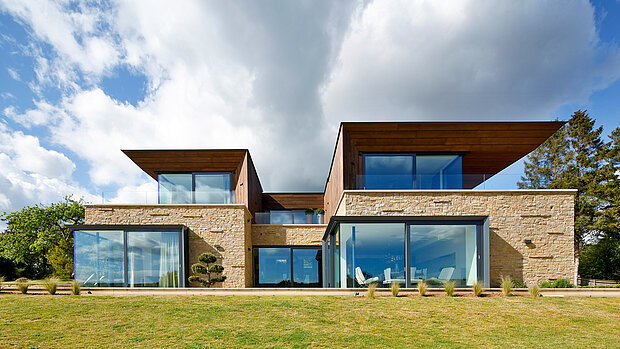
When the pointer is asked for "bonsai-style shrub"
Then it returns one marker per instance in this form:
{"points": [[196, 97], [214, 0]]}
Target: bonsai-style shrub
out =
{"points": [[51, 284], [320, 211], [76, 288], [422, 288], [478, 288], [395, 289], [309, 211], [372, 288], [22, 285], [449, 287], [506, 283], [209, 270]]}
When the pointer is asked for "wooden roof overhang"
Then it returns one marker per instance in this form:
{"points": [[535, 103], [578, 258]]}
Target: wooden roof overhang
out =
{"points": [[186, 160], [487, 147]]}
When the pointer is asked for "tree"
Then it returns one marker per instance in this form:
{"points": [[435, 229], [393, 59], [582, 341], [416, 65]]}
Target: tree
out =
{"points": [[206, 266], [37, 238], [600, 260], [576, 157]]}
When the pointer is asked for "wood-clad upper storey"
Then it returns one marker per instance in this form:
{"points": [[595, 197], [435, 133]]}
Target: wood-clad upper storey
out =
{"points": [[487, 147], [292, 201]]}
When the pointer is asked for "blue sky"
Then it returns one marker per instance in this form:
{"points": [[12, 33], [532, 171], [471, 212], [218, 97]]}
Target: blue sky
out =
{"points": [[79, 81]]}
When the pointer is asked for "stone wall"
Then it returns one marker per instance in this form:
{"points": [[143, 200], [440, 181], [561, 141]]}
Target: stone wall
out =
{"points": [[288, 234], [225, 225], [544, 216]]}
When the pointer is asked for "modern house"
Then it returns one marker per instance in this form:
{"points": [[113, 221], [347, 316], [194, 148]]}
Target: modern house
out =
{"points": [[403, 203]]}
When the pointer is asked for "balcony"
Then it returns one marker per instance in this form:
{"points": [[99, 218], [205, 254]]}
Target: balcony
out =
{"points": [[287, 217], [437, 181]]}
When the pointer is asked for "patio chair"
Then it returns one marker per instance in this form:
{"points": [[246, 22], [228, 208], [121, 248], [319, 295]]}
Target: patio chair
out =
{"points": [[361, 279]]}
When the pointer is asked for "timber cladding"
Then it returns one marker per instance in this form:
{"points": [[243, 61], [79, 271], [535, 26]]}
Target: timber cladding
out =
{"points": [[292, 201]]}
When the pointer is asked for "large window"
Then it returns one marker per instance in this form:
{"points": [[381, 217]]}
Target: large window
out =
{"points": [[195, 188], [287, 266], [361, 253], [130, 258], [411, 171]]}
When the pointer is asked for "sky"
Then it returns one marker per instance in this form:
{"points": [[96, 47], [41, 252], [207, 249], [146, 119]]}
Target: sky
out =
{"points": [[81, 80]]}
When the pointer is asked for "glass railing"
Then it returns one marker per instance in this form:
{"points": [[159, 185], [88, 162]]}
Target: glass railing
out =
{"points": [[154, 197], [287, 217], [438, 181]]}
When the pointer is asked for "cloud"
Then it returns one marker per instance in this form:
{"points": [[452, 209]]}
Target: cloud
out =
{"points": [[468, 60], [278, 80], [13, 74]]}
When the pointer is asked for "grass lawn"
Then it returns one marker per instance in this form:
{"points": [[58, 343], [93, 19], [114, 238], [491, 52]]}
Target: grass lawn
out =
{"points": [[200, 321]]}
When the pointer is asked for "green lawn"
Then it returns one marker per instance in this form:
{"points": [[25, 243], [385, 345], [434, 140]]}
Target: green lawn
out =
{"points": [[200, 321]]}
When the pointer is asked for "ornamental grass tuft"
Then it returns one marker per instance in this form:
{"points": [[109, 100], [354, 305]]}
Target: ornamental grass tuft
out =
{"points": [[22, 285], [1, 282], [534, 290], [51, 285], [76, 288], [506, 283], [449, 287], [422, 288], [372, 288], [478, 288], [395, 289]]}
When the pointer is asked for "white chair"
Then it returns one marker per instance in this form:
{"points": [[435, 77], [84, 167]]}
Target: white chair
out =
{"points": [[359, 276], [446, 274]]}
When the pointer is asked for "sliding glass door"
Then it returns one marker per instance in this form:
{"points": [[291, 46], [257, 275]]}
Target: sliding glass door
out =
{"points": [[297, 266]]}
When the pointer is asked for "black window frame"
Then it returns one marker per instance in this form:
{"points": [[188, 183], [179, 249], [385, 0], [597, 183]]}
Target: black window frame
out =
{"points": [[291, 282]]}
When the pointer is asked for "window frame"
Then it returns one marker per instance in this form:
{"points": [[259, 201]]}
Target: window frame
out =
{"points": [[193, 191], [291, 282]]}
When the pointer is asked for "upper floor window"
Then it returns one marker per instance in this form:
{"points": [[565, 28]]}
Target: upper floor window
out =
{"points": [[195, 188], [411, 171]]}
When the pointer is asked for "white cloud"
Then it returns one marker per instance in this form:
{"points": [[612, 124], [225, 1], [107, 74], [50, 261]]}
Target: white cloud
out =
{"points": [[468, 60], [13, 74], [279, 80]]}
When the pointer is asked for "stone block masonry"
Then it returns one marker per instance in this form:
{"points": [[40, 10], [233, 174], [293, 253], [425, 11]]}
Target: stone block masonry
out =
{"points": [[546, 217], [288, 234], [209, 225]]}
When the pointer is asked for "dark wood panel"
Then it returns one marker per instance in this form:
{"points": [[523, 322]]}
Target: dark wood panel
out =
{"points": [[292, 201]]}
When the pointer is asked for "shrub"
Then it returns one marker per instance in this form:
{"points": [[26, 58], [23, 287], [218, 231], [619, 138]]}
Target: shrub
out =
{"points": [[320, 211], [518, 284], [372, 288], [22, 285], [309, 211], [449, 287], [534, 291], [478, 288], [76, 288], [207, 267], [51, 284], [559, 283], [422, 288], [395, 289], [562, 283], [506, 284]]}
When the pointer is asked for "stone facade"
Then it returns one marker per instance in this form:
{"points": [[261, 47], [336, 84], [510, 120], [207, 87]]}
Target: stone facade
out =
{"points": [[288, 234], [225, 225], [544, 216]]}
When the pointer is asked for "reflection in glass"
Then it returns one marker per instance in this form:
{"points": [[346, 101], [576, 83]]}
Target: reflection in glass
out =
{"points": [[443, 252], [306, 267], [372, 252], [175, 188], [99, 258], [287, 217], [153, 259], [213, 188], [388, 171], [439, 172], [272, 266]]}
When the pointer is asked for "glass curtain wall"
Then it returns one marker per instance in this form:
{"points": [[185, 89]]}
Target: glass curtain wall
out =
{"points": [[443, 252], [371, 252], [129, 258], [411, 171], [99, 258], [439, 172], [406, 253], [195, 188], [287, 266]]}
